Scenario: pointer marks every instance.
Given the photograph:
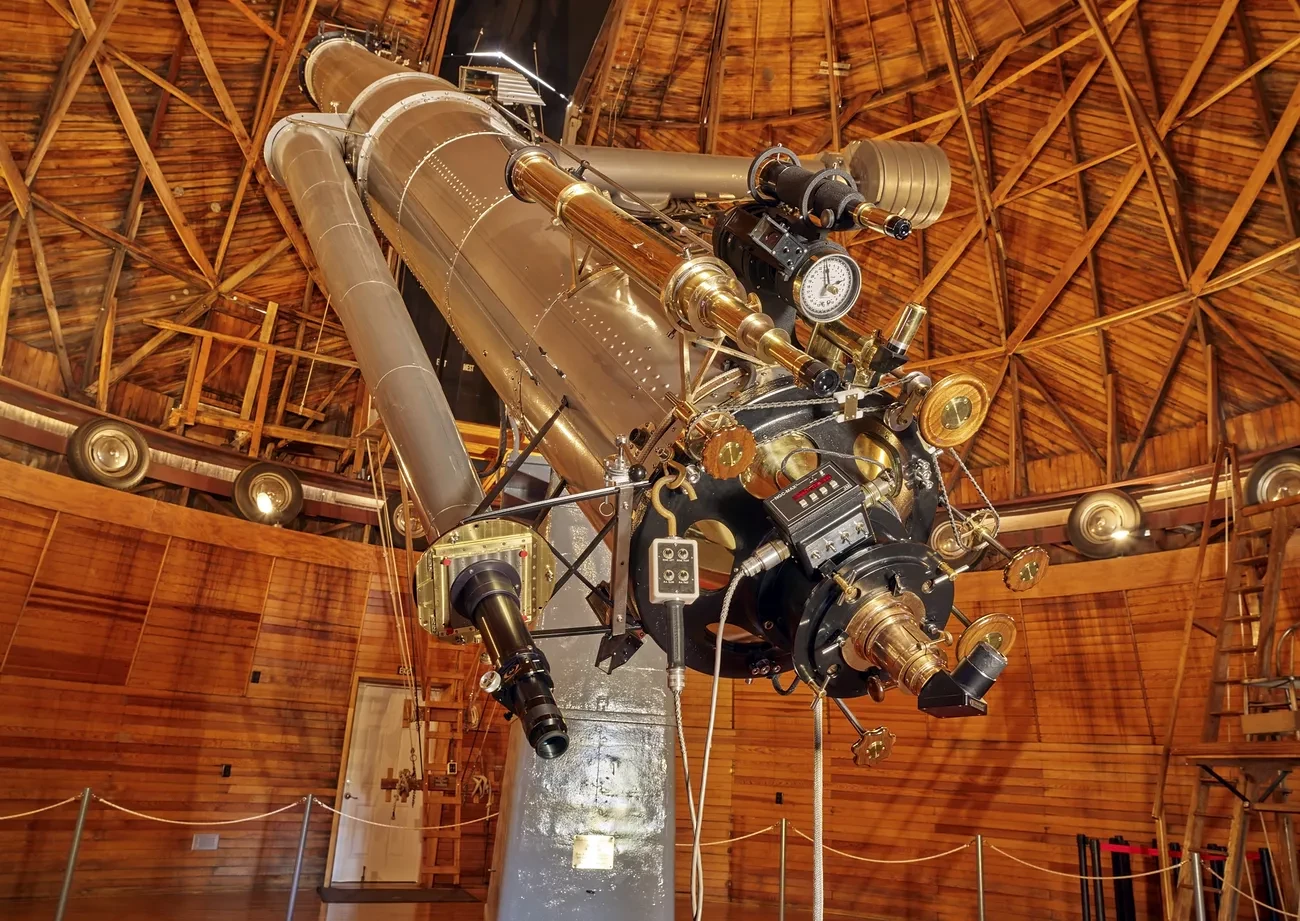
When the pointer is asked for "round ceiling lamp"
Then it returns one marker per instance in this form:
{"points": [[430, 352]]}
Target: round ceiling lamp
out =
{"points": [[268, 493], [108, 452], [1102, 523], [1274, 477]]}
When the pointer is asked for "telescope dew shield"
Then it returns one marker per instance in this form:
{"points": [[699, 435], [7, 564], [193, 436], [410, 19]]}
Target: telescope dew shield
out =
{"points": [[487, 593], [700, 293]]}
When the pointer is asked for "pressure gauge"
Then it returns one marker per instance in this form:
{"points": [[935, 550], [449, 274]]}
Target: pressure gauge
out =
{"points": [[826, 287]]}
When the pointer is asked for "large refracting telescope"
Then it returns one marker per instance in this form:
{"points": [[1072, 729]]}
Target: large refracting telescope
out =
{"points": [[765, 473]]}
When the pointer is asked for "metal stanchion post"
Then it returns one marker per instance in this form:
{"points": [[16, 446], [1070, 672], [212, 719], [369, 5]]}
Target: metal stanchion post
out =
{"points": [[979, 872], [781, 916], [297, 866], [1198, 887], [72, 855]]}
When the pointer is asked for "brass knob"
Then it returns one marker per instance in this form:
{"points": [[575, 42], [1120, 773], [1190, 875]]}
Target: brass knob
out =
{"points": [[954, 409], [1026, 569], [873, 746], [998, 630]]}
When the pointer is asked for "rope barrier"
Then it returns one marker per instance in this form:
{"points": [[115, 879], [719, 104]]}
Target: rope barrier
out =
{"points": [[752, 834], [155, 818], [1249, 897], [23, 815], [344, 815], [1034, 866], [827, 847]]}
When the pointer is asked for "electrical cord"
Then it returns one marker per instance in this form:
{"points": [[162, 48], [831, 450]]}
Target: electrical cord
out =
{"points": [[697, 865], [690, 798]]}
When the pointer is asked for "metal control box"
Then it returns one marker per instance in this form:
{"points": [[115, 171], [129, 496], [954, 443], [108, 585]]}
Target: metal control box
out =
{"points": [[675, 570], [822, 515]]}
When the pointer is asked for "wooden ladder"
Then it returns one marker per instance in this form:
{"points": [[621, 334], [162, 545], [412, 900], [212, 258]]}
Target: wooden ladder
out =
{"points": [[1263, 717], [444, 730]]}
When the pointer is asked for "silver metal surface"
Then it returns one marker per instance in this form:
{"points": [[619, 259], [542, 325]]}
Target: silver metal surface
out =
{"points": [[71, 866], [902, 177], [615, 780], [393, 361], [499, 269], [979, 873], [297, 863], [1198, 887], [659, 176], [781, 902]]}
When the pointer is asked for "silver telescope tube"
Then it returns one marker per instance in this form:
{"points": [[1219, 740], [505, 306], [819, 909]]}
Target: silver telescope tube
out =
{"points": [[308, 160], [544, 316]]}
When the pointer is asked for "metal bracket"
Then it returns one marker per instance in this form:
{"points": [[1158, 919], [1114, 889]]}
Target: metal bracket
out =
{"points": [[1227, 784], [619, 561], [500, 485]]}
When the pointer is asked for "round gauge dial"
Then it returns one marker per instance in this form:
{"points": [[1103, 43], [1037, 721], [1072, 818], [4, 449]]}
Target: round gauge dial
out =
{"points": [[827, 287]]}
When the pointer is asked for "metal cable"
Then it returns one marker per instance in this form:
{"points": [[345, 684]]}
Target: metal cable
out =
{"points": [[697, 866], [154, 818], [827, 847], [690, 796], [819, 894], [23, 815]]}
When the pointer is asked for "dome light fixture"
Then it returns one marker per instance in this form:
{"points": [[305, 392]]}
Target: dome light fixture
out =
{"points": [[268, 493], [1102, 523]]}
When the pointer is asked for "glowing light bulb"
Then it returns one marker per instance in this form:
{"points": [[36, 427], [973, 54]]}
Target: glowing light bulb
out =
{"points": [[1119, 534], [265, 504]]}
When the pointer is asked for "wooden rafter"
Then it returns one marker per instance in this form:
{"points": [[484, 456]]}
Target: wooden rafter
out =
{"points": [[1256, 354], [262, 25], [47, 297], [13, 178], [126, 115], [192, 313], [832, 78], [8, 263], [1162, 389], [1059, 411], [711, 103], [614, 18], [101, 338]]}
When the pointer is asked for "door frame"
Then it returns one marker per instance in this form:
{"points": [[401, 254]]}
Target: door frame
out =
{"points": [[370, 678]]}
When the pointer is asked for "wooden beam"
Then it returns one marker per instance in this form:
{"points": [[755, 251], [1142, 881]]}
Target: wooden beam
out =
{"points": [[1249, 347], [1016, 440], [130, 227], [832, 79], [259, 417], [616, 16], [1289, 214], [8, 269], [76, 74], [988, 218], [263, 26], [51, 308], [13, 177], [194, 391], [434, 46], [1213, 403], [112, 238], [1248, 73], [190, 23], [105, 355], [325, 402], [192, 313], [1059, 411], [126, 115], [286, 386], [1228, 228], [1128, 95], [284, 432], [1113, 456], [249, 343], [711, 102], [260, 361], [1171, 368]]}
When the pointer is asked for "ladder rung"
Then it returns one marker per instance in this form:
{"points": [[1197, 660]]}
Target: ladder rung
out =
{"points": [[1247, 619], [1246, 589], [1243, 532], [1251, 559], [1236, 650]]}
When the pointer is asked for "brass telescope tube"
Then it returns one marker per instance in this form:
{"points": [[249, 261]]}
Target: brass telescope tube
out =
{"points": [[699, 293]]}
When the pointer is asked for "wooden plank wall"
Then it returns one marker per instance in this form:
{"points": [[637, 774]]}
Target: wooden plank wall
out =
{"points": [[130, 635], [1070, 745]]}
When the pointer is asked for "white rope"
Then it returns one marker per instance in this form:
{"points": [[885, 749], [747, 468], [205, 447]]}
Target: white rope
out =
{"points": [[302, 404], [827, 847], [23, 815], [690, 796], [155, 818], [354, 818], [1034, 866], [752, 834], [1251, 898]]}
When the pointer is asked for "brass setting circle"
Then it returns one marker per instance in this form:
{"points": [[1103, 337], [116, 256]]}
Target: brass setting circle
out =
{"points": [[954, 410], [1026, 569], [998, 630], [763, 478], [886, 632]]}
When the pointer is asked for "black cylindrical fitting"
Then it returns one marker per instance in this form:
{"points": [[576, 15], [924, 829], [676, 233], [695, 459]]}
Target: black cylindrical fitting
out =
{"points": [[487, 593], [979, 670]]}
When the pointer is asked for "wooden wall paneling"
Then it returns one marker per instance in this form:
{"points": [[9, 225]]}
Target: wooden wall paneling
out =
{"points": [[87, 607], [310, 629], [27, 531], [204, 620]]}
